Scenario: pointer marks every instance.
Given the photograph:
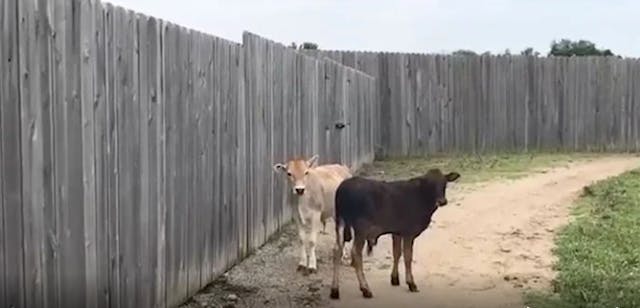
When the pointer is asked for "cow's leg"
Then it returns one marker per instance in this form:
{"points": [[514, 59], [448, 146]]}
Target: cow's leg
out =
{"points": [[324, 226], [337, 250], [312, 241], [397, 252], [407, 245], [356, 254], [302, 233]]}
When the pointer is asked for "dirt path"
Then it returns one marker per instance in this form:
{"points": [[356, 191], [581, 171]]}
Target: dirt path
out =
{"points": [[481, 251]]}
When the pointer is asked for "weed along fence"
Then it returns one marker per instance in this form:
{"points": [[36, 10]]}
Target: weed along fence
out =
{"points": [[443, 103], [136, 155]]}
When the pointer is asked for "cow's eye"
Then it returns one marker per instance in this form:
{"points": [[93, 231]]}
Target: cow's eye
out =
{"points": [[288, 173], [306, 172]]}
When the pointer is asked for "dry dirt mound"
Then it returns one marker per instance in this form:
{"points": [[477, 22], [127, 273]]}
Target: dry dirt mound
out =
{"points": [[481, 251]]}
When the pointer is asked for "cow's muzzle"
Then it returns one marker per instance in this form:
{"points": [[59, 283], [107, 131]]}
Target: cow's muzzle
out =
{"points": [[298, 191]]}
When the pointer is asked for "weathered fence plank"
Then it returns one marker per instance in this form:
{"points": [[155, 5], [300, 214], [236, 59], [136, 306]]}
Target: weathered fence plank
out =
{"points": [[87, 104], [71, 208], [152, 155], [4, 78], [193, 261], [10, 145], [172, 101], [242, 154], [219, 253], [110, 159], [101, 127], [33, 98]]}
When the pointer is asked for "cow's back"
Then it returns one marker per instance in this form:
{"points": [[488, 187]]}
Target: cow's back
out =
{"points": [[328, 178], [353, 197], [396, 207]]}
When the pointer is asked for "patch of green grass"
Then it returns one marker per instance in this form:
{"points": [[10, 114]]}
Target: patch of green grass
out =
{"points": [[599, 252], [473, 168]]}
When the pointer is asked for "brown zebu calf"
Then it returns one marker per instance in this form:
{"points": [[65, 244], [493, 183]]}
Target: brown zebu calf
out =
{"points": [[313, 190], [373, 208]]}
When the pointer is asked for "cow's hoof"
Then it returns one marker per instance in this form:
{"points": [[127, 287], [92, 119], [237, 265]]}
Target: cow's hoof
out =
{"points": [[301, 268], [335, 293], [366, 293], [311, 271], [412, 287], [395, 281]]}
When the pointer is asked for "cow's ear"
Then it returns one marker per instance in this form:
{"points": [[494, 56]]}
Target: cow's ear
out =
{"points": [[452, 176], [312, 161], [279, 167]]}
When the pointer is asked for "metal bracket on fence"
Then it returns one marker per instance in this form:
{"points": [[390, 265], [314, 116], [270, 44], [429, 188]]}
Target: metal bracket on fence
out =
{"points": [[341, 125]]}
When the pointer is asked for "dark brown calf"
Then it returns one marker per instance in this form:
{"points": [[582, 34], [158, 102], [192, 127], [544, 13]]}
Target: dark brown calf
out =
{"points": [[374, 208]]}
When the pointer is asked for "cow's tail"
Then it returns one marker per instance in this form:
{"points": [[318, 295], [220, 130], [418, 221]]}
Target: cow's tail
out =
{"points": [[370, 244], [347, 237], [347, 233]]}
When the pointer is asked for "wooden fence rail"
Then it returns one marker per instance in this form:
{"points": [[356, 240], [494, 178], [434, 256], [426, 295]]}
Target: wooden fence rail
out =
{"points": [[442, 103], [136, 155]]}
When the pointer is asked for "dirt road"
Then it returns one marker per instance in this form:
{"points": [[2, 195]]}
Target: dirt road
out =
{"points": [[488, 244]]}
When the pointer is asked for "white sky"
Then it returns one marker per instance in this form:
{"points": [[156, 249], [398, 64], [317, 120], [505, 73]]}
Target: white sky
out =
{"points": [[411, 25]]}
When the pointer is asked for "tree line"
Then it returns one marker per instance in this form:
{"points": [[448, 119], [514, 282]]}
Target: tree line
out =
{"points": [[558, 48]]}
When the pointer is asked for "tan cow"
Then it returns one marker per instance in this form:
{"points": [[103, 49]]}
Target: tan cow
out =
{"points": [[313, 191]]}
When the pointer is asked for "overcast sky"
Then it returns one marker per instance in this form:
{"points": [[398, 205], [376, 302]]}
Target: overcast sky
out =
{"points": [[411, 25]]}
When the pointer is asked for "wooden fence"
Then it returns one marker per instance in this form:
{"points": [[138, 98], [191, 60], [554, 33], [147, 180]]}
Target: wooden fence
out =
{"points": [[443, 103], [136, 155]]}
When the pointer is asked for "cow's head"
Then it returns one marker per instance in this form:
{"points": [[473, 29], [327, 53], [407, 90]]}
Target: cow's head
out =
{"points": [[296, 171], [439, 181]]}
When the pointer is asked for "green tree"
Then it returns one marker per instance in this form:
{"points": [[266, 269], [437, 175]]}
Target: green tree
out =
{"points": [[529, 51], [309, 45], [464, 52], [567, 48]]}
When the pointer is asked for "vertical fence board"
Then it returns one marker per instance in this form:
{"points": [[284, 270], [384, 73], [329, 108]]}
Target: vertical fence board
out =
{"points": [[193, 259], [159, 73], [172, 72], [3, 78], [203, 167], [72, 244], [11, 161], [218, 118], [32, 99], [242, 153], [151, 129], [88, 99], [111, 167], [128, 137], [102, 171], [143, 260]]}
